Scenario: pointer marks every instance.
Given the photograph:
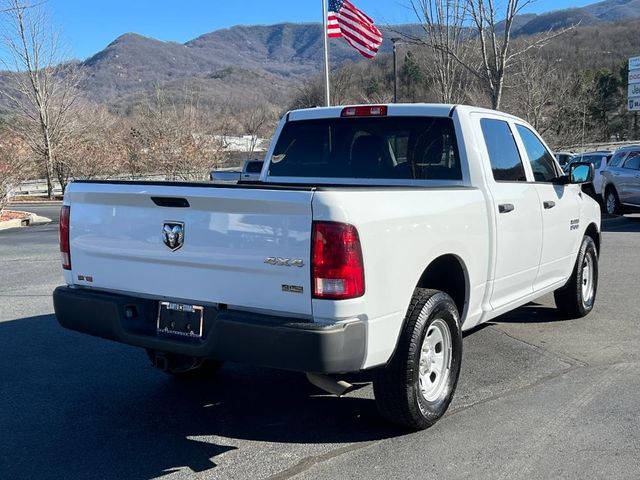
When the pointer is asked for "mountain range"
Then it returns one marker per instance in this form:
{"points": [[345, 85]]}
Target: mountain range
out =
{"points": [[249, 63]]}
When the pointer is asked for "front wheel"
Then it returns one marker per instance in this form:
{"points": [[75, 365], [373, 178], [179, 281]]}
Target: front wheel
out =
{"points": [[577, 297], [417, 386]]}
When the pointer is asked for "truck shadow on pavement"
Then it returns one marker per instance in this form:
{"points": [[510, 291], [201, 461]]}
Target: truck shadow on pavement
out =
{"points": [[72, 406], [622, 224], [532, 312]]}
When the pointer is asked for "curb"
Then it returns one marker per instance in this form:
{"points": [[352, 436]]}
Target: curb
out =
{"points": [[32, 220], [15, 223], [36, 202]]}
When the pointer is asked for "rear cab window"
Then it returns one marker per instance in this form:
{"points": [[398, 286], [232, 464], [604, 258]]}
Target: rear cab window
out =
{"points": [[393, 147]]}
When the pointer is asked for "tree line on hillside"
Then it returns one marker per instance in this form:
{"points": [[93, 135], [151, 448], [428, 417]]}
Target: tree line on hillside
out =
{"points": [[464, 55], [571, 85]]}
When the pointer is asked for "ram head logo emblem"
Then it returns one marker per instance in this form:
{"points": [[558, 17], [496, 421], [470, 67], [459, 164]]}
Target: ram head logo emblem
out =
{"points": [[173, 235]]}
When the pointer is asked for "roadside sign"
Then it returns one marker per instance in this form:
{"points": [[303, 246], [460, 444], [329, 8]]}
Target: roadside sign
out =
{"points": [[633, 85], [633, 105], [634, 90], [634, 76]]}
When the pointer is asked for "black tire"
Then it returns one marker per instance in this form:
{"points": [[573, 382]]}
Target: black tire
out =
{"points": [[570, 299], [397, 386], [612, 202], [182, 366]]}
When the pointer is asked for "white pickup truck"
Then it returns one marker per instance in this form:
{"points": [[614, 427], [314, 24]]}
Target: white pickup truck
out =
{"points": [[375, 235]]}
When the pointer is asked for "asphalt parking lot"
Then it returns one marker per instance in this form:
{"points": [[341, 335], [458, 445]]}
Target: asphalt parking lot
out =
{"points": [[539, 397]]}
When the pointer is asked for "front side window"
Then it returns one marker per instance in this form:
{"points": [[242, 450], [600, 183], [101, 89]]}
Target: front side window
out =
{"points": [[541, 160], [503, 152], [413, 148]]}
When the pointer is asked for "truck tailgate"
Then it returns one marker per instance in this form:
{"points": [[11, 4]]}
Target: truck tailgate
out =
{"points": [[246, 247]]}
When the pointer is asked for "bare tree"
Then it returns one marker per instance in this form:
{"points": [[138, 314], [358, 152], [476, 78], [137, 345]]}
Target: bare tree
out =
{"points": [[474, 35], [447, 37], [173, 138], [254, 122], [15, 165], [44, 90], [537, 85], [96, 148], [493, 26]]}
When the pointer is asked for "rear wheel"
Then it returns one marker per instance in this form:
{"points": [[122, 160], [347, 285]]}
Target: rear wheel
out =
{"points": [[612, 202], [417, 386], [183, 366], [577, 297]]}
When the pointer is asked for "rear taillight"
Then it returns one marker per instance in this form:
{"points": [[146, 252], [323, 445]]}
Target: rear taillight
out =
{"points": [[336, 261], [65, 251]]}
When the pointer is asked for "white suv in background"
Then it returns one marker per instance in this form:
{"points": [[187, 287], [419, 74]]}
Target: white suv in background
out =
{"points": [[599, 159]]}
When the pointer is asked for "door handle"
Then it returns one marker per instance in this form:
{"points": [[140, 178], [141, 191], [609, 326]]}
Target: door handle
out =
{"points": [[506, 207], [549, 204]]}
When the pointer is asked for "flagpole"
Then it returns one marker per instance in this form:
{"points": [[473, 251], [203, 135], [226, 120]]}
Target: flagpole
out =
{"points": [[326, 52]]}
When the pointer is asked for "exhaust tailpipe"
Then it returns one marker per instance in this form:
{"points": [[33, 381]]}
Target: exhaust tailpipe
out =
{"points": [[330, 385]]}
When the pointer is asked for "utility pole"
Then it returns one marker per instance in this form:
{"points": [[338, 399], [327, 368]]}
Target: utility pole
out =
{"points": [[395, 41]]}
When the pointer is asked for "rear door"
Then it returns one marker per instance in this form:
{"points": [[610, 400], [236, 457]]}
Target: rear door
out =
{"points": [[631, 179], [623, 177], [599, 164], [613, 171], [518, 218], [560, 210], [244, 247]]}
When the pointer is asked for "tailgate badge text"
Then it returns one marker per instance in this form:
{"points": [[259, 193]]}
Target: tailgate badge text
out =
{"points": [[284, 262]]}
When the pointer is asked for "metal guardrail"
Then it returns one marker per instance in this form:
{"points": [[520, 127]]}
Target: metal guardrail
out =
{"points": [[587, 147]]}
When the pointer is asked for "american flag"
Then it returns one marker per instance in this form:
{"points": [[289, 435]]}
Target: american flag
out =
{"points": [[345, 20]]}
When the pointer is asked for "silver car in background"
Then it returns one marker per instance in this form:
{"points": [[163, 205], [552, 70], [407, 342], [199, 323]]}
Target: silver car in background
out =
{"points": [[621, 181]]}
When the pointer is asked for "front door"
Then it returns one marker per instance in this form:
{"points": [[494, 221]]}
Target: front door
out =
{"points": [[561, 229]]}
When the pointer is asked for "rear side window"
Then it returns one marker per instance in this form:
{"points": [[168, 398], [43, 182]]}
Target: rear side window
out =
{"points": [[596, 160], [617, 158], [415, 148], [542, 162], [503, 152], [633, 161]]}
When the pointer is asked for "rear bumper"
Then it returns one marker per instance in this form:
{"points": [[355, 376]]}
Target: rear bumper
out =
{"points": [[228, 335]]}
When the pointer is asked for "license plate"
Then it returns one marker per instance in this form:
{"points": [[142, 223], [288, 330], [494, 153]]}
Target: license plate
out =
{"points": [[180, 319]]}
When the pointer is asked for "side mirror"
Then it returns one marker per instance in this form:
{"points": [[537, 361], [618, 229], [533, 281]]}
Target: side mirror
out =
{"points": [[581, 172]]}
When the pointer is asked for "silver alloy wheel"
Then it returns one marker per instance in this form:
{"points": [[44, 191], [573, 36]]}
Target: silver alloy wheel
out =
{"points": [[435, 360], [588, 281], [611, 203]]}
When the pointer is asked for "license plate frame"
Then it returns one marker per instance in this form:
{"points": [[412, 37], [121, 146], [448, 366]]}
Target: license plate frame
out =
{"points": [[180, 320]]}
